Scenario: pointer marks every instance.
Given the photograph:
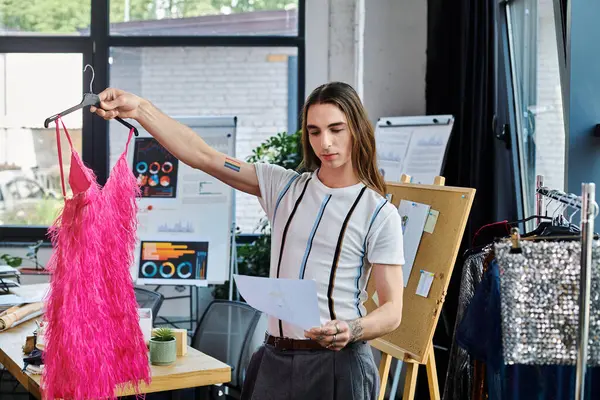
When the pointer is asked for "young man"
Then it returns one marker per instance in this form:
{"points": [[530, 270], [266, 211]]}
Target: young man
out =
{"points": [[331, 224]]}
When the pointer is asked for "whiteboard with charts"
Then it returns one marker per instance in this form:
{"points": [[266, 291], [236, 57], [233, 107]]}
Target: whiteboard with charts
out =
{"points": [[185, 216], [415, 146]]}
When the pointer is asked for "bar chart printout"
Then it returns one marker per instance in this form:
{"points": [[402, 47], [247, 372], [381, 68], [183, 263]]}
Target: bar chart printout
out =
{"points": [[174, 261]]}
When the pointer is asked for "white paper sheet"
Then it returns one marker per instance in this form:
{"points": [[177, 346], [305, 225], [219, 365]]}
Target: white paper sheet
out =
{"points": [[425, 283], [392, 144], [415, 150], [413, 217], [390, 170], [291, 300], [425, 155], [13, 299], [8, 270], [376, 299]]}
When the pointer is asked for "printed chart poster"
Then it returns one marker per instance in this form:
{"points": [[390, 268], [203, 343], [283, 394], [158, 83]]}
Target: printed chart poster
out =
{"points": [[155, 169], [392, 144], [173, 262]]}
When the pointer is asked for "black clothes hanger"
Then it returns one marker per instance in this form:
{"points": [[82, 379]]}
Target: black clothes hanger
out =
{"points": [[552, 229], [558, 226], [548, 230], [540, 217], [490, 232], [89, 99]]}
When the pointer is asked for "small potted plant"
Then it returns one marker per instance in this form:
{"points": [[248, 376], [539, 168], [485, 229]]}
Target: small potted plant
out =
{"points": [[163, 347]]}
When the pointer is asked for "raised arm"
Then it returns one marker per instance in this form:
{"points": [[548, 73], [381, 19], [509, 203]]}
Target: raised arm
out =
{"points": [[185, 144]]}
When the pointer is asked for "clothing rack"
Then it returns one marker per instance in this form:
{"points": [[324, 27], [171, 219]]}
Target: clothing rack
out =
{"points": [[589, 211], [539, 198]]}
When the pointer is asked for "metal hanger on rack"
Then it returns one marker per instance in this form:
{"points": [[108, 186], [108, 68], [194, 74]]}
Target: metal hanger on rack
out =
{"points": [[89, 99], [560, 228], [570, 199]]}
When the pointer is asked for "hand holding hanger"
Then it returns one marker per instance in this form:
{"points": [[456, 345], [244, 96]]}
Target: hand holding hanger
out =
{"points": [[89, 99], [115, 103]]}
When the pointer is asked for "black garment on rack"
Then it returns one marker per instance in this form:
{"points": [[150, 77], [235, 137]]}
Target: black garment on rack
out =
{"points": [[460, 375]]}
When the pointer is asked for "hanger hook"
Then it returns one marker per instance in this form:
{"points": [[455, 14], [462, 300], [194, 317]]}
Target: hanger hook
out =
{"points": [[547, 200], [558, 211], [93, 76], [572, 215], [596, 209], [557, 205]]}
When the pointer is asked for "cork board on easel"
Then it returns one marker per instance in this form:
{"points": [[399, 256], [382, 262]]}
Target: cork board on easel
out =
{"points": [[437, 253]]}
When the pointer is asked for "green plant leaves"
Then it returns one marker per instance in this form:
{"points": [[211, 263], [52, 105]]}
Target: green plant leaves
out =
{"points": [[163, 334], [12, 261]]}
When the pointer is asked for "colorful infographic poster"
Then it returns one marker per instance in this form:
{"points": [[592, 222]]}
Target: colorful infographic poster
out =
{"points": [[173, 260], [155, 169]]}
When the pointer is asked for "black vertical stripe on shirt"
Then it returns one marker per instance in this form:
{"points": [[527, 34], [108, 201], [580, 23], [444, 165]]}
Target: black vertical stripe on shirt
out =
{"points": [[336, 255], [361, 269], [312, 236], [287, 225]]}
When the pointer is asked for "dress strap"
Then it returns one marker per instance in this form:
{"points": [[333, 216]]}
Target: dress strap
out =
{"points": [[128, 140], [60, 162]]}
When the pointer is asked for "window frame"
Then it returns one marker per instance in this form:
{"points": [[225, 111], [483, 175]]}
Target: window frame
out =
{"points": [[525, 195], [513, 97], [95, 50], [508, 183]]}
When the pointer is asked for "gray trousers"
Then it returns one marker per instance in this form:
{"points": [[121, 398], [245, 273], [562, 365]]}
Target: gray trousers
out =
{"points": [[348, 374]]}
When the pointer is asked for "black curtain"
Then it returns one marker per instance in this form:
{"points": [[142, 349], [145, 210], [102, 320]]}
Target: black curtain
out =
{"points": [[461, 80]]}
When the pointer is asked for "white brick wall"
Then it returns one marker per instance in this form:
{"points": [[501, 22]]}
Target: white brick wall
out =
{"points": [[550, 132], [208, 82]]}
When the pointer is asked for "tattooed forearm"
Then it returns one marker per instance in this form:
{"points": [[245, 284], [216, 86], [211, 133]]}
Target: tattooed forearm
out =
{"points": [[356, 330], [232, 164]]}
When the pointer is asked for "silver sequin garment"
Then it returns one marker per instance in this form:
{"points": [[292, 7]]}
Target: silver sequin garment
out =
{"points": [[539, 301]]}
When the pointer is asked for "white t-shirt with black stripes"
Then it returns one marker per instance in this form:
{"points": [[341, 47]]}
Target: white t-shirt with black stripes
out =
{"points": [[330, 235]]}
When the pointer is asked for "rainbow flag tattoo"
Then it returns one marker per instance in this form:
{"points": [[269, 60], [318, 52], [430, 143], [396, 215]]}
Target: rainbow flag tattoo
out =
{"points": [[232, 164]]}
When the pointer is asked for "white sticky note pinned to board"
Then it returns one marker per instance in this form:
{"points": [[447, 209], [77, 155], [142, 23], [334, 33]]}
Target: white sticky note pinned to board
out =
{"points": [[431, 220], [375, 299], [425, 282]]}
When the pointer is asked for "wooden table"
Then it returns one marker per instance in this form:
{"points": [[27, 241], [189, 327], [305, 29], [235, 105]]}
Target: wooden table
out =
{"points": [[192, 370]]}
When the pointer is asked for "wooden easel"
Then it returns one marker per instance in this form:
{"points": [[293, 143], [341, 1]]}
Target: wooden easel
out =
{"points": [[412, 371], [412, 342]]}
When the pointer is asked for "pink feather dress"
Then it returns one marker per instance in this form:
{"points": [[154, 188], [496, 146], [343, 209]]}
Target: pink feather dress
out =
{"points": [[93, 338]]}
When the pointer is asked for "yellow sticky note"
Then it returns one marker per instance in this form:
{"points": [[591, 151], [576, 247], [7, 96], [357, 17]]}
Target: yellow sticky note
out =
{"points": [[431, 221]]}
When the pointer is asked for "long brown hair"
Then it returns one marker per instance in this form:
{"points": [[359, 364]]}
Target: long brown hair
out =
{"points": [[364, 154]]}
